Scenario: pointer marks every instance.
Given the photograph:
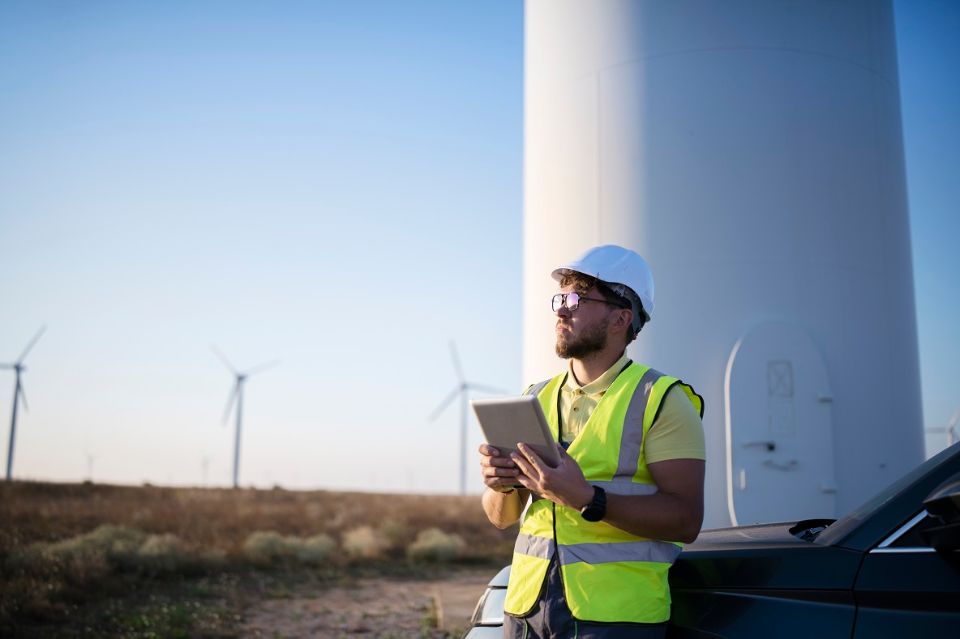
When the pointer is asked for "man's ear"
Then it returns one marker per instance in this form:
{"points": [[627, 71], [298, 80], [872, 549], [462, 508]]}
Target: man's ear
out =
{"points": [[624, 318]]}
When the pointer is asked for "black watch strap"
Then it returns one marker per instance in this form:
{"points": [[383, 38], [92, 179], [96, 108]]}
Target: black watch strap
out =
{"points": [[597, 508]]}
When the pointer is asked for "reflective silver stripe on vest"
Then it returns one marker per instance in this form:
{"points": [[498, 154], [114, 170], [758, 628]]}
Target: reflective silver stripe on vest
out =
{"points": [[536, 388], [626, 486], [658, 551], [534, 546], [632, 437]]}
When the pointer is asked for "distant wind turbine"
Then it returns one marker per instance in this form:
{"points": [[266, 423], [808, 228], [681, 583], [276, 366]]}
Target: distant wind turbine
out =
{"points": [[90, 459], [18, 396], [462, 389], [950, 429], [236, 397]]}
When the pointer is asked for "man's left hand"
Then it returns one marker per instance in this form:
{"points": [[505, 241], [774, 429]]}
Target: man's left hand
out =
{"points": [[564, 485]]}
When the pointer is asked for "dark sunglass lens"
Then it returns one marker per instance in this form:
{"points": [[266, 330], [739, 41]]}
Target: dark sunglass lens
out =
{"points": [[573, 301]]}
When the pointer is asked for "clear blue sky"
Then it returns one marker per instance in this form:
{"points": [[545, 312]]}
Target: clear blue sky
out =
{"points": [[928, 33], [334, 184]]}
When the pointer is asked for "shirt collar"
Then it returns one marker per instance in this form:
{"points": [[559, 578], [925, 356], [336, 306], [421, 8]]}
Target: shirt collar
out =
{"points": [[600, 384]]}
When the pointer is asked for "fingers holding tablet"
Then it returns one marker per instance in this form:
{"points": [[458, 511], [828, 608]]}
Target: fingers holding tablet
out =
{"points": [[499, 471]]}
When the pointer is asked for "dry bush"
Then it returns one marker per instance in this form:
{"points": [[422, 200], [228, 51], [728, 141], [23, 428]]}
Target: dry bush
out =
{"points": [[219, 520], [314, 550], [266, 547], [105, 540], [160, 553], [365, 542], [87, 557], [397, 532], [433, 544], [159, 545]]}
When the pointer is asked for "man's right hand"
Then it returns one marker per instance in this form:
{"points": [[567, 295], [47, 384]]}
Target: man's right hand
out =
{"points": [[499, 472]]}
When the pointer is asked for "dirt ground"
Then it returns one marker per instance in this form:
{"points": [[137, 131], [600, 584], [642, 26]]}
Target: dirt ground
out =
{"points": [[376, 608]]}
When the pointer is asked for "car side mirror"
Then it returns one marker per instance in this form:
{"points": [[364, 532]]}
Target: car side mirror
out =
{"points": [[943, 504]]}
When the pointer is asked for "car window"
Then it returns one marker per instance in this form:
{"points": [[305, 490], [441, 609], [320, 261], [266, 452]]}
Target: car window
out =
{"points": [[910, 538]]}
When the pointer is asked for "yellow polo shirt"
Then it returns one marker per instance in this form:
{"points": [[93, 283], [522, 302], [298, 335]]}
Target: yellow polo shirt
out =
{"points": [[676, 434]]}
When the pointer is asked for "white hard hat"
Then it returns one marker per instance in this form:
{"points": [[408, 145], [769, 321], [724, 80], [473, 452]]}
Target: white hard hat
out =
{"points": [[614, 265]]}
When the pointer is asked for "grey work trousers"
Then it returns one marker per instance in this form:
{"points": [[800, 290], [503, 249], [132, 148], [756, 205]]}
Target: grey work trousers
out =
{"points": [[551, 619]]}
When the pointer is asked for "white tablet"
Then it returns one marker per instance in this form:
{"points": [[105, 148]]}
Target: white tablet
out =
{"points": [[508, 420]]}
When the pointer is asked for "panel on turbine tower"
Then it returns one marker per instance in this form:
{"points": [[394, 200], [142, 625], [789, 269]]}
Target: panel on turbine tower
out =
{"points": [[779, 428]]}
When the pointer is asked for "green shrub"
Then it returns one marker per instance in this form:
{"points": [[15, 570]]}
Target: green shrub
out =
{"points": [[433, 544]]}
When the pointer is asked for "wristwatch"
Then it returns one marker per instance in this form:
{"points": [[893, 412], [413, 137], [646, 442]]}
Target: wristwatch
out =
{"points": [[597, 508]]}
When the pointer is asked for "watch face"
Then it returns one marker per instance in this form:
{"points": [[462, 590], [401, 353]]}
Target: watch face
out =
{"points": [[591, 513]]}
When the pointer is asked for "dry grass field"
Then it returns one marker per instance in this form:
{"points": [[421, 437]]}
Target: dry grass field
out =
{"points": [[95, 560]]}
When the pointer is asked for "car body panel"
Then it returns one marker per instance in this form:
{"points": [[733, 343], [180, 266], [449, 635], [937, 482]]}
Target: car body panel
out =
{"points": [[785, 614], [911, 592], [484, 632], [760, 557]]}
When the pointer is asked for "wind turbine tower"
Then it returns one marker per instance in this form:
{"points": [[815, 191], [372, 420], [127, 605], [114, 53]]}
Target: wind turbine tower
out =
{"points": [[462, 389], [752, 152], [236, 397], [18, 396], [90, 459]]}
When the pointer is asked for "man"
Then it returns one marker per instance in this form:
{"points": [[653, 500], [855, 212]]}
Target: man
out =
{"points": [[604, 526]]}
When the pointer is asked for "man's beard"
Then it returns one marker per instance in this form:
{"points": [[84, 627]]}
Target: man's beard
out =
{"points": [[593, 340]]}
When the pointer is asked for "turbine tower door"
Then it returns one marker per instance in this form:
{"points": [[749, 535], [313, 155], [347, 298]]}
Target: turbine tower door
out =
{"points": [[779, 429]]}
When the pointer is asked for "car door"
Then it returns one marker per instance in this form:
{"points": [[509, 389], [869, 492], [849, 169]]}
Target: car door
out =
{"points": [[905, 588]]}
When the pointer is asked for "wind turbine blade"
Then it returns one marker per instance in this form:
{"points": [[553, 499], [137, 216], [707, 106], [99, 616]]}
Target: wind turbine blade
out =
{"points": [[262, 367], [446, 402], [456, 362], [230, 401], [487, 389], [10, 366], [223, 358], [32, 342], [954, 420]]}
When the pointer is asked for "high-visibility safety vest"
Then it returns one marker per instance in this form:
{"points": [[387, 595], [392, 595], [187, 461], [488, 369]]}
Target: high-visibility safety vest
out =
{"points": [[609, 575]]}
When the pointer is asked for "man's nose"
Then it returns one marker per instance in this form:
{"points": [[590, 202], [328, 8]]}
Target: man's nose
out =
{"points": [[563, 311]]}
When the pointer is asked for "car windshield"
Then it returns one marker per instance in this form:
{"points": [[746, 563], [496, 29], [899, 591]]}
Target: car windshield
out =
{"points": [[848, 523]]}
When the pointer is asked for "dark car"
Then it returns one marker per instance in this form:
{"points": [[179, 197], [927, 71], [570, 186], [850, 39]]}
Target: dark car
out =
{"points": [[891, 568]]}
